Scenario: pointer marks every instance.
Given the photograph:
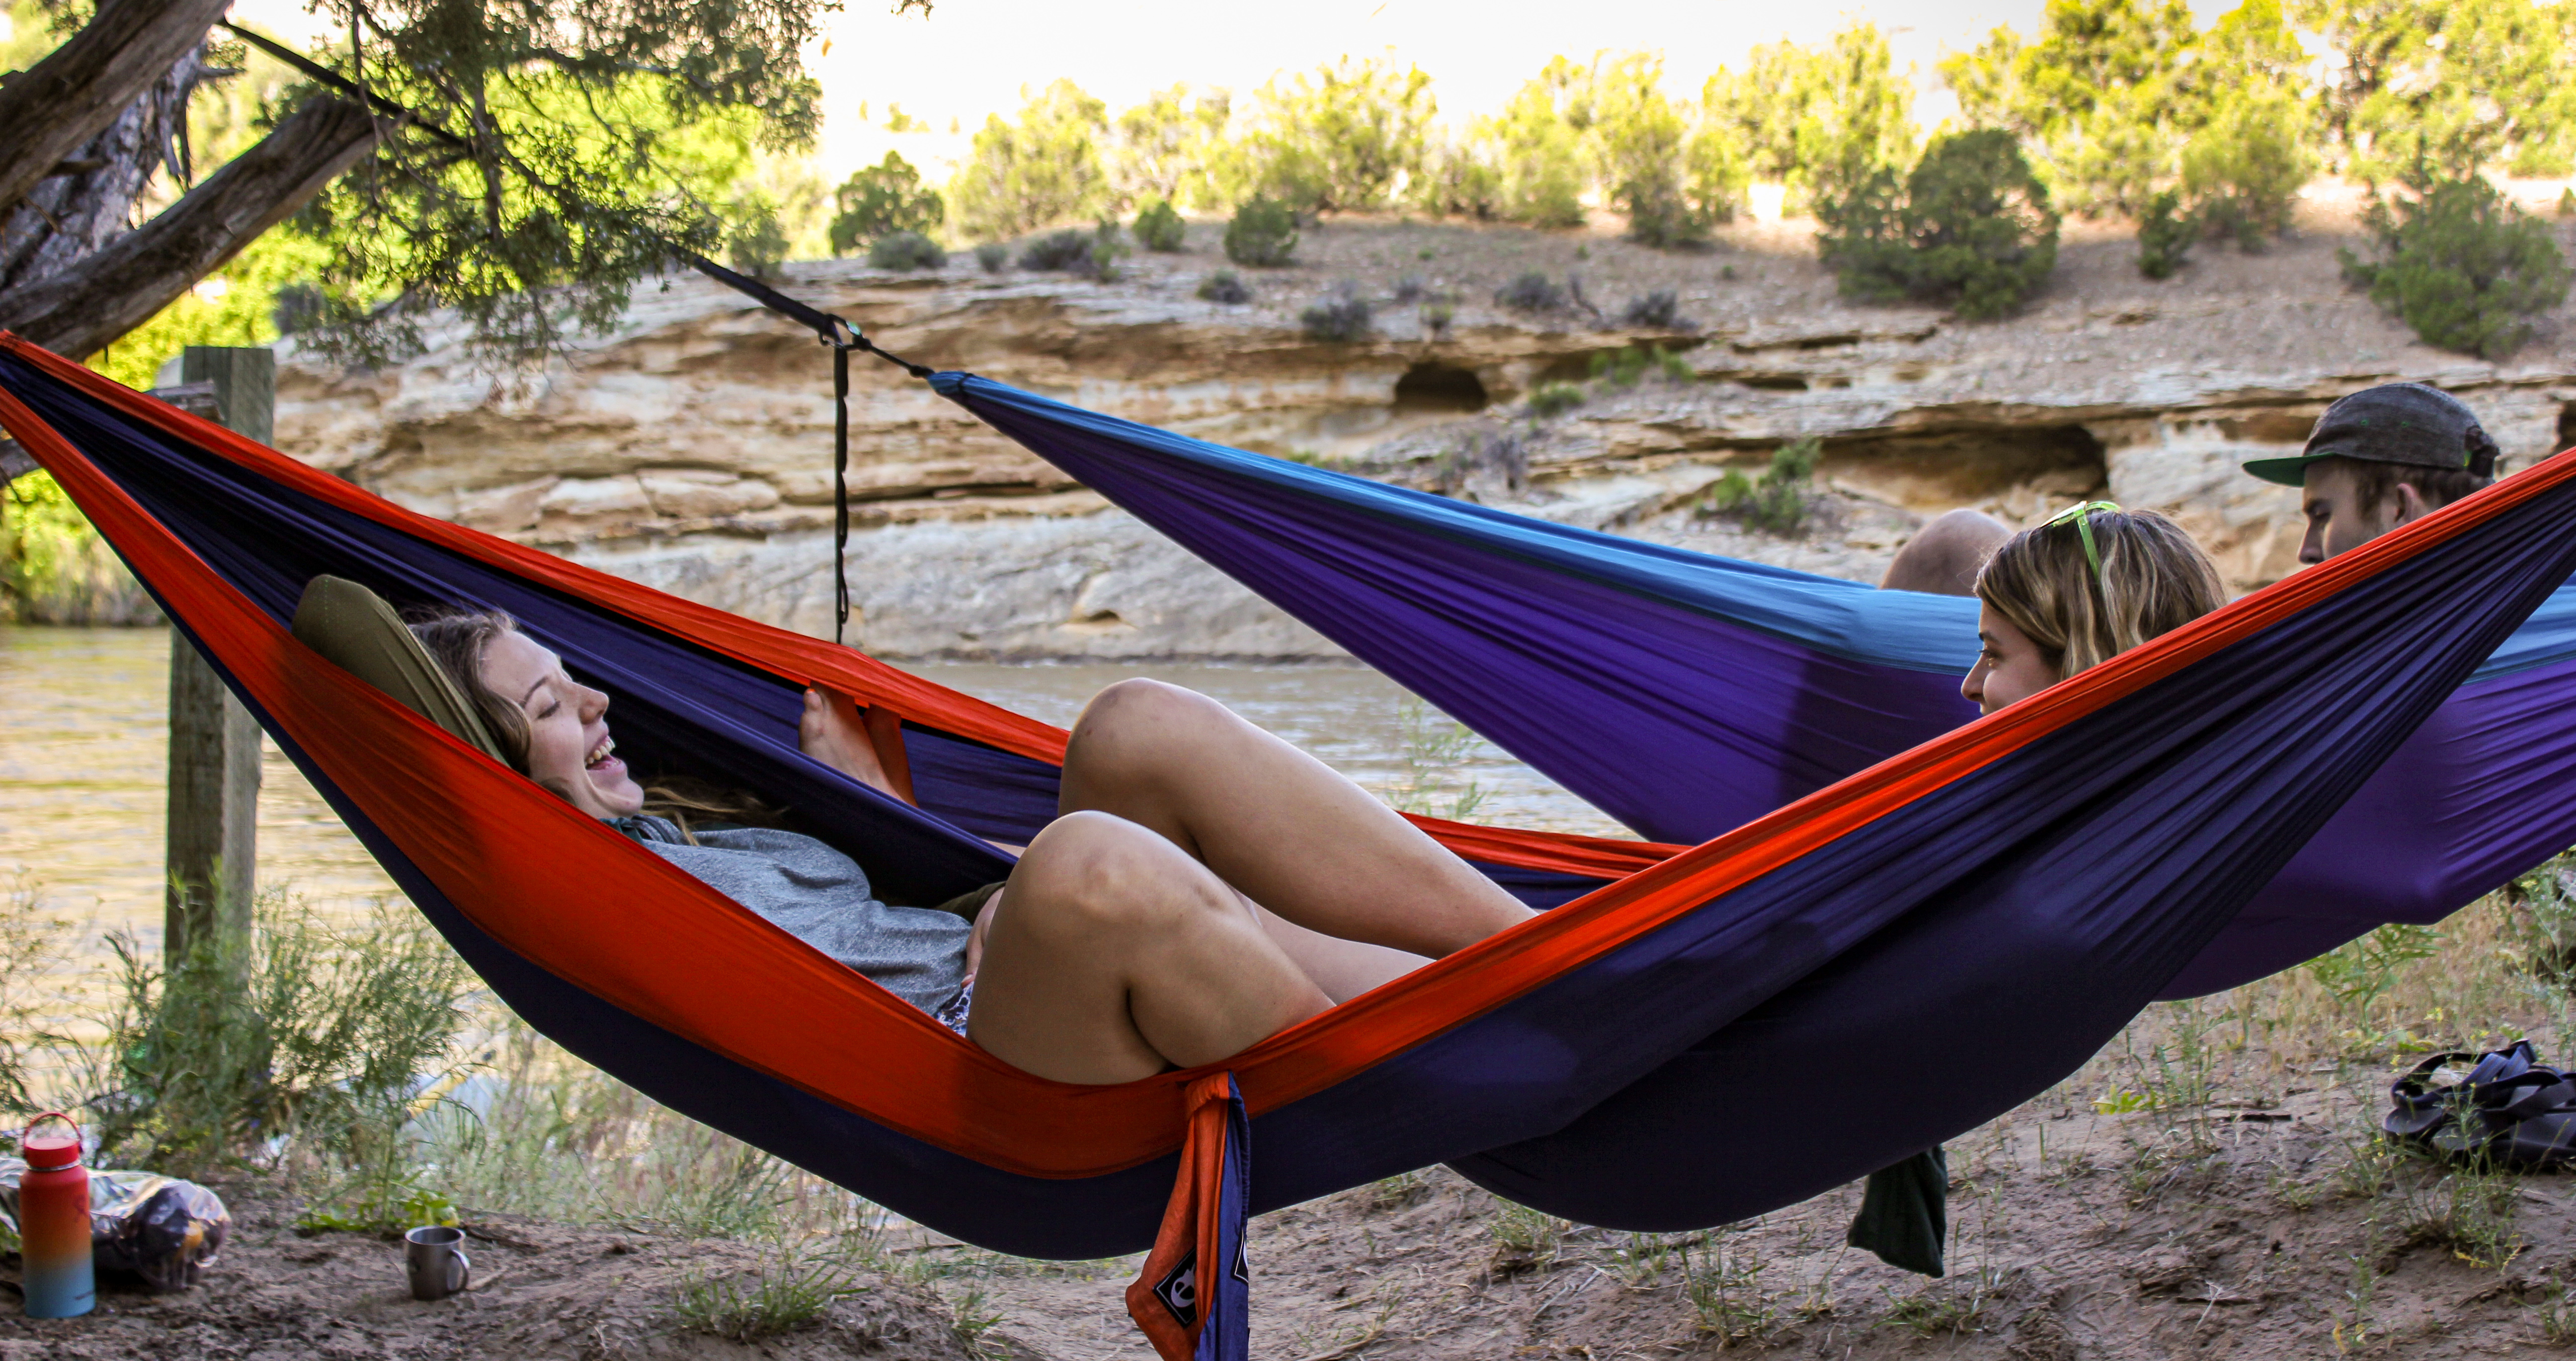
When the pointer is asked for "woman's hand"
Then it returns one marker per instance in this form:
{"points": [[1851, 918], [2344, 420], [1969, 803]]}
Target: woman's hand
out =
{"points": [[832, 732]]}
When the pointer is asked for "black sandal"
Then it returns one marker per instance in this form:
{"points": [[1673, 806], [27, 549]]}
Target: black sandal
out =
{"points": [[2506, 1110]]}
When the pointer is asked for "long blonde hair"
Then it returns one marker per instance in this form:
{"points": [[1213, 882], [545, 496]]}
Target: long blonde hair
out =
{"points": [[2152, 579], [456, 640]]}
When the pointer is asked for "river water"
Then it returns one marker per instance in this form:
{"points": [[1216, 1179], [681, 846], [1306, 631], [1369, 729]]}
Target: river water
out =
{"points": [[83, 761]]}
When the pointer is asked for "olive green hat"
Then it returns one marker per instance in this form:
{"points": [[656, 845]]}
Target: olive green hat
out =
{"points": [[2409, 423]]}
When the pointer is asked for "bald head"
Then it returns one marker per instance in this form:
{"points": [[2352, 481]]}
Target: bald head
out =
{"points": [[1943, 557]]}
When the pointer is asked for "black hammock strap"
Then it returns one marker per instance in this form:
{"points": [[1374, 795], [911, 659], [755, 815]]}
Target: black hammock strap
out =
{"points": [[834, 331]]}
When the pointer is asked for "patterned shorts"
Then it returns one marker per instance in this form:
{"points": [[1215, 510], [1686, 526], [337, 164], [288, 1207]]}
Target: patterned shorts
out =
{"points": [[953, 1015]]}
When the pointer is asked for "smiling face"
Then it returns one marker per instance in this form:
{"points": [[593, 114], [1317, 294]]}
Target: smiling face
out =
{"points": [[2010, 667], [569, 751]]}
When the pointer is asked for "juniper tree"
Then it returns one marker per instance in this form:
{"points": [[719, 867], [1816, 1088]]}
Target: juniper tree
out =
{"points": [[524, 162]]}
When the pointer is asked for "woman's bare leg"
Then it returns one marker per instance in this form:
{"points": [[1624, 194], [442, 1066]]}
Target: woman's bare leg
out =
{"points": [[1113, 955], [1274, 822]]}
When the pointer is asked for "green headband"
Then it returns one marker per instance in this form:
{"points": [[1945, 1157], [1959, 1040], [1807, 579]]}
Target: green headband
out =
{"points": [[2083, 517]]}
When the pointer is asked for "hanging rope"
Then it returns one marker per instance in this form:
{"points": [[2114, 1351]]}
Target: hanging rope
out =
{"points": [[834, 331]]}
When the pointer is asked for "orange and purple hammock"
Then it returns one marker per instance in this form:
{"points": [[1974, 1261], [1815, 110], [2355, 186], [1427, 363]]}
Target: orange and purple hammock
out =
{"points": [[1955, 927]]}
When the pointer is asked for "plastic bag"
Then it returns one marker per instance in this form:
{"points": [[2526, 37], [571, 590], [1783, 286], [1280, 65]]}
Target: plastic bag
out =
{"points": [[165, 1230]]}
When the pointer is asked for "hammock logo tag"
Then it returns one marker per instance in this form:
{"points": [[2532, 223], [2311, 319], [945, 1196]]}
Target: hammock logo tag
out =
{"points": [[1179, 1291]]}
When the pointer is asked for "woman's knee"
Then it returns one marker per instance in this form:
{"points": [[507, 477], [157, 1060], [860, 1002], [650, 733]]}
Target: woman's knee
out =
{"points": [[1092, 872], [1136, 722]]}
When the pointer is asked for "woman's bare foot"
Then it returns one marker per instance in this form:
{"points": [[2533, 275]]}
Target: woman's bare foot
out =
{"points": [[832, 732]]}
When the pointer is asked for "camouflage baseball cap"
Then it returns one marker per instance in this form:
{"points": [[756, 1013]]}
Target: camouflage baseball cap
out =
{"points": [[2409, 423]]}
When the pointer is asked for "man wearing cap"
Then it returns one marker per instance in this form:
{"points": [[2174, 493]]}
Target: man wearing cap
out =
{"points": [[2378, 459]]}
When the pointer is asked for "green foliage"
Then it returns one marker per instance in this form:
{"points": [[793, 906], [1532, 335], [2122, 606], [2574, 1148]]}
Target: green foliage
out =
{"points": [[2463, 266], [885, 198], [33, 948], [1531, 291], [1159, 227], [992, 256], [1108, 247], [1970, 223], [1436, 751], [2166, 231], [1224, 286], [1164, 148], [1778, 501], [906, 250], [1263, 233], [1555, 399], [1042, 170], [55, 569], [1458, 181], [1638, 139], [787, 1291], [2242, 171], [235, 305], [2102, 96], [1537, 152], [1341, 137], [321, 1034], [1436, 318], [1818, 120], [2357, 974], [594, 139], [2460, 84], [756, 243]]}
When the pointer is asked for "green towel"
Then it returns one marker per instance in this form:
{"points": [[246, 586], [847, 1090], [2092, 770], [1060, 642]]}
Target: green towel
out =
{"points": [[1905, 1213]]}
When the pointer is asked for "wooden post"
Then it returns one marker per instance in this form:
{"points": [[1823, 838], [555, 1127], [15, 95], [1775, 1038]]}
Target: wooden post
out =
{"points": [[214, 742]]}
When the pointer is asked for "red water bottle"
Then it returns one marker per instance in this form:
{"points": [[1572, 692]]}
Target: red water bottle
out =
{"points": [[53, 1222]]}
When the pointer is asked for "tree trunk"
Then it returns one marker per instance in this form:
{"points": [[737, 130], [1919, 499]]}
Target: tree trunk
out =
{"points": [[67, 216], [50, 109], [76, 311]]}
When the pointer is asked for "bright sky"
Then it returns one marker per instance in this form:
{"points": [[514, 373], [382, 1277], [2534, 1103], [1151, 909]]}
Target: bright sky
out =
{"points": [[973, 57]]}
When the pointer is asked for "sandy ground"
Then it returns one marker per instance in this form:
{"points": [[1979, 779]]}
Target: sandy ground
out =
{"points": [[542, 1292]]}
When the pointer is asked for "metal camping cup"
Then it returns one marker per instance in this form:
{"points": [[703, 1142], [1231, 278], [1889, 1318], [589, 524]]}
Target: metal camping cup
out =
{"points": [[435, 1259]]}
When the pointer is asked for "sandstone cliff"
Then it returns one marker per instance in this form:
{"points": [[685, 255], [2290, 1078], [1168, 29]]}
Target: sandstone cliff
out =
{"points": [[691, 448]]}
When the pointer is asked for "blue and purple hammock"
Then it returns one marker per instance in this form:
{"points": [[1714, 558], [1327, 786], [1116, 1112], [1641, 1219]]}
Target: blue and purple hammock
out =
{"points": [[1967, 920], [1686, 694]]}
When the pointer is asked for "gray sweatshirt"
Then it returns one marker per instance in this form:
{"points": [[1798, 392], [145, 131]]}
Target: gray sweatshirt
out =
{"points": [[821, 897]]}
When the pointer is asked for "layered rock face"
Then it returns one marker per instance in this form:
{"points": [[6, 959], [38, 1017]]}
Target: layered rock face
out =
{"points": [[691, 449]]}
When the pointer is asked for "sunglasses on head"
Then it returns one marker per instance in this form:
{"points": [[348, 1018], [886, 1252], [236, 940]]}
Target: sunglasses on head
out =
{"points": [[2082, 515]]}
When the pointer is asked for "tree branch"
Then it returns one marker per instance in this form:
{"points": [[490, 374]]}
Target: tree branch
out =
{"points": [[77, 90], [78, 310]]}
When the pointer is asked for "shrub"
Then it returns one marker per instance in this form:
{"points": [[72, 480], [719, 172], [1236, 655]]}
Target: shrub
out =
{"points": [[1660, 310], [1341, 137], [1555, 399], [1340, 316], [993, 255], [1436, 317], [1263, 234], [1410, 289], [1159, 227], [2566, 208], [757, 244], [1042, 170], [789, 1291], [1537, 152], [1531, 292], [2244, 170], [2165, 234], [1224, 286], [906, 250], [1970, 225], [1066, 249], [1108, 247], [1456, 181], [2463, 266], [1777, 501], [885, 198]]}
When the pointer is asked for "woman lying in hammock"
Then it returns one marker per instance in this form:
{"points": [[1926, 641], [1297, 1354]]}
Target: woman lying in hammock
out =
{"points": [[2088, 585], [1204, 885]]}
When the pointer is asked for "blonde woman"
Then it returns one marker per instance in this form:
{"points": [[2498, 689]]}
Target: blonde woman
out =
{"points": [[2088, 585]]}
